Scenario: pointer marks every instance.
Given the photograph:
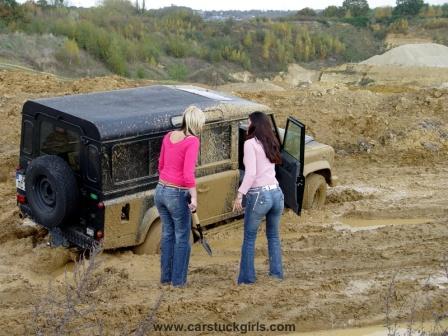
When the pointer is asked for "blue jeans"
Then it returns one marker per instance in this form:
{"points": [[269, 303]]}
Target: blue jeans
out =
{"points": [[172, 204], [260, 204]]}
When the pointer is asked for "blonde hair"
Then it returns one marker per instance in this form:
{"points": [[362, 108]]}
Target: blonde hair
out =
{"points": [[193, 120]]}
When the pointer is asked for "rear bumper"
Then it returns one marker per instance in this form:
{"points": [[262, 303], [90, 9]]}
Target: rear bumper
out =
{"points": [[74, 236]]}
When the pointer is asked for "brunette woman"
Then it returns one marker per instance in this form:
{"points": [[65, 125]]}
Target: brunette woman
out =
{"points": [[264, 198]]}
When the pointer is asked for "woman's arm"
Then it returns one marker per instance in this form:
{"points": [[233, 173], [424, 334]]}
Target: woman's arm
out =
{"points": [[191, 157], [250, 166], [162, 155]]}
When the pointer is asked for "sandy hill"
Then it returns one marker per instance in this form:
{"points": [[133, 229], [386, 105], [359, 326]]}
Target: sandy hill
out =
{"points": [[413, 55]]}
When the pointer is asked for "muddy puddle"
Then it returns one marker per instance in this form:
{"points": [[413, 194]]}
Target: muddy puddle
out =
{"points": [[357, 224]]}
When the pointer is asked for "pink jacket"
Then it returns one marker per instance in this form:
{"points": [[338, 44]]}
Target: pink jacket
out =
{"points": [[259, 171]]}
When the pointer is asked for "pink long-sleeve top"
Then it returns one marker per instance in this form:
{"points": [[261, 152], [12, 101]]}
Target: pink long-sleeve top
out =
{"points": [[177, 161], [259, 171]]}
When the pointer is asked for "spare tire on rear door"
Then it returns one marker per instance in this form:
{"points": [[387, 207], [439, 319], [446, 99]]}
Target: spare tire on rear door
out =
{"points": [[51, 190]]}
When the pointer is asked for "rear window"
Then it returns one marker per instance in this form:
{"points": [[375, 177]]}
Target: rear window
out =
{"points": [[135, 160], [93, 163], [60, 141], [27, 139]]}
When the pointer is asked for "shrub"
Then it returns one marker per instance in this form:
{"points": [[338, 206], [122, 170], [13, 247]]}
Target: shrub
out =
{"points": [[382, 13], [176, 48], [141, 73], [358, 21], [178, 72], [436, 23], [69, 52], [306, 12], [400, 26]]}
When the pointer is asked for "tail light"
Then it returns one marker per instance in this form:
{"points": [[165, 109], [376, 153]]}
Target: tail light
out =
{"points": [[100, 205], [21, 199], [99, 234]]}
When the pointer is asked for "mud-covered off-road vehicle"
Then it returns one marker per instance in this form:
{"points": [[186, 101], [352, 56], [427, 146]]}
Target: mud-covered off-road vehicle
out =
{"points": [[88, 163]]}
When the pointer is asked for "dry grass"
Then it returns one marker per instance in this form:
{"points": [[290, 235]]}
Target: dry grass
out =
{"points": [[74, 311], [424, 314]]}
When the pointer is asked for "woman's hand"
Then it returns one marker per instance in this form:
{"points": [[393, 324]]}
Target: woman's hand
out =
{"points": [[238, 203], [193, 204]]}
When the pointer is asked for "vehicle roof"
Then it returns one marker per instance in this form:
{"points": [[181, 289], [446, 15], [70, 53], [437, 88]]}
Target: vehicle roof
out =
{"points": [[137, 111]]}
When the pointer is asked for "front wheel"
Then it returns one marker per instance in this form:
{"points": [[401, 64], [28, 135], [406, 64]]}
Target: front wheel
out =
{"points": [[315, 193]]}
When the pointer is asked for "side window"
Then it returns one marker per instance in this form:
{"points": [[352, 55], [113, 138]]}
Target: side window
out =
{"points": [[60, 141], [154, 153], [27, 140], [130, 161], [93, 163], [292, 140], [134, 160], [216, 143]]}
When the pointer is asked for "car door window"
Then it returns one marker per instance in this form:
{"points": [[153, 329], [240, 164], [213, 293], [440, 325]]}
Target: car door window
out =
{"points": [[290, 172], [292, 141]]}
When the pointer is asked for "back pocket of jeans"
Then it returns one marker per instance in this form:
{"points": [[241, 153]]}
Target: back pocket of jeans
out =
{"points": [[260, 204]]}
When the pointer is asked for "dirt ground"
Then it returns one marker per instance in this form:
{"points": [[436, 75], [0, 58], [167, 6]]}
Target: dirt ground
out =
{"points": [[381, 239]]}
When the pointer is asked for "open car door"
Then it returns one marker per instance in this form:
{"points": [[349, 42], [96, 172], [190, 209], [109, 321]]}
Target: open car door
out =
{"points": [[290, 172]]}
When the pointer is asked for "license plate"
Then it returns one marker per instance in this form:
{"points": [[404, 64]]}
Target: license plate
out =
{"points": [[20, 181]]}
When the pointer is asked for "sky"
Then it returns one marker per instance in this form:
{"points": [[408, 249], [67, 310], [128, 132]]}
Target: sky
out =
{"points": [[249, 4]]}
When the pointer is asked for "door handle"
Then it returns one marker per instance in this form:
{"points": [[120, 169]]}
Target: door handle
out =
{"points": [[203, 189]]}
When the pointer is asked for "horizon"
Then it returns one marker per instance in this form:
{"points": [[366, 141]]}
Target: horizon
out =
{"points": [[205, 5]]}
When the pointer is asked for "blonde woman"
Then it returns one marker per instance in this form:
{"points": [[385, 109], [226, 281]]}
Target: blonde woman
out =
{"points": [[176, 195]]}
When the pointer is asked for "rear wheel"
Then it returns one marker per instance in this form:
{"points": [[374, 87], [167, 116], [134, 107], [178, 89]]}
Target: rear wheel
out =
{"points": [[315, 193], [151, 244], [51, 190]]}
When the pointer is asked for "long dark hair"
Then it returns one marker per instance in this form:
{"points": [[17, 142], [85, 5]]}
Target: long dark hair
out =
{"points": [[261, 129]]}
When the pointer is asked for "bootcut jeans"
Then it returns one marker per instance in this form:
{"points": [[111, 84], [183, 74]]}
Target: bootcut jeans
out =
{"points": [[260, 204], [175, 248]]}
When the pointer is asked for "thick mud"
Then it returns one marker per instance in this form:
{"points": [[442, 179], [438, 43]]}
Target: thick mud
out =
{"points": [[380, 241]]}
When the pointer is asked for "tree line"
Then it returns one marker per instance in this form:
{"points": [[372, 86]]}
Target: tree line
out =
{"points": [[120, 34]]}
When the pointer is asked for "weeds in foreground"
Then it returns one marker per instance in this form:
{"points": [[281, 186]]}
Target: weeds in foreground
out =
{"points": [[75, 309], [73, 312], [432, 314]]}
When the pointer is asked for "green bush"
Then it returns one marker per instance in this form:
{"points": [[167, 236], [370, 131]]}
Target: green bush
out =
{"points": [[140, 73], [358, 21], [176, 48], [178, 72]]}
